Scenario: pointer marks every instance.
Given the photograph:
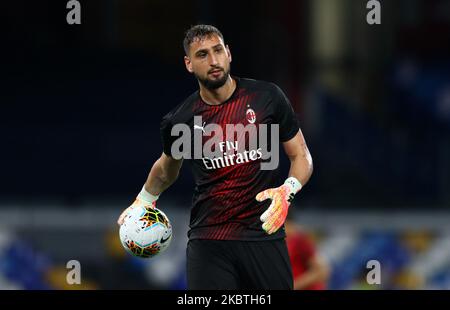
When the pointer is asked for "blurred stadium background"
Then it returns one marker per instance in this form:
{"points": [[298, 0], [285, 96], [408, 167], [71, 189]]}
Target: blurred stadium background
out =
{"points": [[81, 107]]}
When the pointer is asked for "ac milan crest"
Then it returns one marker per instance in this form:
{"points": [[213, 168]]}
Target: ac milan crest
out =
{"points": [[251, 116]]}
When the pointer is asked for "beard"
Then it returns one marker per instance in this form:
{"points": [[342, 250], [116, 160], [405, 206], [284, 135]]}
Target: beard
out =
{"points": [[214, 84]]}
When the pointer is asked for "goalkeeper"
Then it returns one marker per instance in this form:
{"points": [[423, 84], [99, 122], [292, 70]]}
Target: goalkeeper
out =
{"points": [[236, 235]]}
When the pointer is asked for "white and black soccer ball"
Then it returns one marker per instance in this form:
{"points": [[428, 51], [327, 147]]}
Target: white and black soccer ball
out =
{"points": [[145, 232]]}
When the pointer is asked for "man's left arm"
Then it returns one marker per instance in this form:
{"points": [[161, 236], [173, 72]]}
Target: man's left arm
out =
{"points": [[300, 158], [300, 172]]}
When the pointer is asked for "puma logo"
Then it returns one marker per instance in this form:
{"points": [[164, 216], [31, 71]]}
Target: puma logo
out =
{"points": [[291, 197], [200, 127]]}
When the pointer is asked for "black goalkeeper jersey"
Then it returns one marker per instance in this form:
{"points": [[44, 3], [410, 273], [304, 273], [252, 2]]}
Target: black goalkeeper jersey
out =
{"points": [[223, 204]]}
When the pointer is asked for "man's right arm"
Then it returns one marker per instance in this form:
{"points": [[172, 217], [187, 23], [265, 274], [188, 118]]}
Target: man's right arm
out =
{"points": [[164, 172]]}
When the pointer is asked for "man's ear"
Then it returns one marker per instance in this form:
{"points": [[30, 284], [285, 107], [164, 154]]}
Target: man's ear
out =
{"points": [[228, 52], [188, 64]]}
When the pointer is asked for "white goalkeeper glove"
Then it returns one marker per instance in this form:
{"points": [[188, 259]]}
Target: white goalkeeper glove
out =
{"points": [[144, 199], [275, 216]]}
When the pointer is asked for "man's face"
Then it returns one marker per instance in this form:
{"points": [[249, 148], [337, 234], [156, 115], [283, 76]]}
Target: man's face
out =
{"points": [[209, 60]]}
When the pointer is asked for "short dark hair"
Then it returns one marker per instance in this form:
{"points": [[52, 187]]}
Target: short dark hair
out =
{"points": [[199, 31]]}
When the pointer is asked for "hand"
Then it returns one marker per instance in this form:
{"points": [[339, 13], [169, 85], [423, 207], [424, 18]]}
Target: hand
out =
{"points": [[275, 216], [135, 204], [144, 199]]}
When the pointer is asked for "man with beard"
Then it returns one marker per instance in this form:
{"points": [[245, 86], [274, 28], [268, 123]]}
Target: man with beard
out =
{"points": [[236, 236]]}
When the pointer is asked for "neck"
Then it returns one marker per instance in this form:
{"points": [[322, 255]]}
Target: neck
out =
{"points": [[219, 95]]}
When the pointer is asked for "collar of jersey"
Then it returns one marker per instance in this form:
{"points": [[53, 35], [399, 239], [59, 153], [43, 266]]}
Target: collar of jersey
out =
{"points": [[226, 101]]}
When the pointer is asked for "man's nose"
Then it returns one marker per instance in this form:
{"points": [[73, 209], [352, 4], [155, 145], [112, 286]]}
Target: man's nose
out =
{"points": [[213, 60]]}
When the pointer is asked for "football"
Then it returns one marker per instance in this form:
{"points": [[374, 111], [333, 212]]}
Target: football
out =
{"points": [[145, 232]]}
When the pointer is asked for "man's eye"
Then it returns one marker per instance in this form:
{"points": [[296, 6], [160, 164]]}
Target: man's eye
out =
{"points": [[202, 55], [218, 51]]}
